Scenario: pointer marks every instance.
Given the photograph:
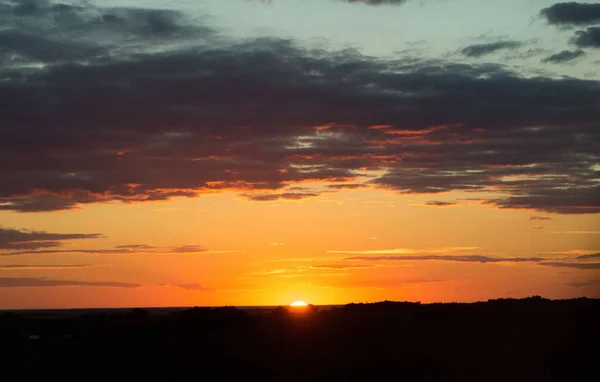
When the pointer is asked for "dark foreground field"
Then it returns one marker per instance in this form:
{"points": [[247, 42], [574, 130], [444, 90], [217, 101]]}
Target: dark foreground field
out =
{"points": [[502, 340]]}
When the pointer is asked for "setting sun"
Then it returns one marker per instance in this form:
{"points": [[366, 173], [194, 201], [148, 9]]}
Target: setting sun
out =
{"points": [[299, 304]]}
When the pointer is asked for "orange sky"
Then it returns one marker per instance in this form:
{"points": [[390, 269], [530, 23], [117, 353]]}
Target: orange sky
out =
{"points": [[241, 152], [271, 253]]}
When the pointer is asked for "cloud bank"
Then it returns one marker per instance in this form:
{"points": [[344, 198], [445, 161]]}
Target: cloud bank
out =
{"points": [[140, 105]]}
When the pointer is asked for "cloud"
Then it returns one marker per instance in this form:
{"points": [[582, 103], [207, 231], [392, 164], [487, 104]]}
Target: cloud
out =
{"points": [[479, 50], [195, 287], [260, 105], [438, 203], [136, 246], [189, 249], [9, 282], [589, 38], [341, 266], [583, 284], [48, 266], [572, 13], [463, 259], [15, 239], [564, 56], [559, 264], [125, 249], [380, 283], [540, 218], [352, 186], [405, 250], [589, 256], [284, 196]]}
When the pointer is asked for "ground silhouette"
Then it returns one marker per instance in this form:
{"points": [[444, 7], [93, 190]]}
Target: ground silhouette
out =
{"points": [[532, 339]]}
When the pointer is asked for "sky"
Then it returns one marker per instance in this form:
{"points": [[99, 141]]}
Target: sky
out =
{"points": [[246, 152]]}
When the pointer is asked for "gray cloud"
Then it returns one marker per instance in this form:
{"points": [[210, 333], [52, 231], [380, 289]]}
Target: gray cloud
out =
{"points": [[589, 256], [122, 250], [540, 218], [479, 50], [15, 239], [464, 259], [258, 103], [572, 13], [564, 56], [438, 203], [589, 38], [10, 282], [559, 264]]}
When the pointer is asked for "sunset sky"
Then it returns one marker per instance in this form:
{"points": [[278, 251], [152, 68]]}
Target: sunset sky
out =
{"points": [[240, 152]]}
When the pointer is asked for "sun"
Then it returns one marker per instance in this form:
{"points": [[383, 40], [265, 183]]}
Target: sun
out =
{"points": [[299, 304]]}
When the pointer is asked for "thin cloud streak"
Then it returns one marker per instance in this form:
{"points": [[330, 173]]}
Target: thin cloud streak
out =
{"points": [[9, 282], [463, 259], [405, 250], [51, 266]]}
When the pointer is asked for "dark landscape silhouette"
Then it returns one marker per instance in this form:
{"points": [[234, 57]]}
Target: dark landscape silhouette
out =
{"points": [[531, 339]]}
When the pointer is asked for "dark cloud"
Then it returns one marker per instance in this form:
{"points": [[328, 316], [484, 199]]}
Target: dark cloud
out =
{"points": [[479, 50], [14, 239], [10, 282], [173, 109], [353, 186], [588, 257], [572, 13], [589, 38], [564, 56], [195, 287], [189, 249], [119, 250], [438, 203], [463, 259], [559, 264], [540, 218]]}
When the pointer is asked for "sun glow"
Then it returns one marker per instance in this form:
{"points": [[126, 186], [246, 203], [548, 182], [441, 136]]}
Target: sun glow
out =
{"points": [[298, 304]]}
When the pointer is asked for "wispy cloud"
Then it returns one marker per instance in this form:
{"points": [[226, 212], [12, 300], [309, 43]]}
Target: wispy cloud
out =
{"points": [[540, 218], [560, 264], [51, 266], [589, 256], [538, 227], [17, 239], [195, 287], [128, 249], [405, 250], [463, 259], [6, 282]]}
